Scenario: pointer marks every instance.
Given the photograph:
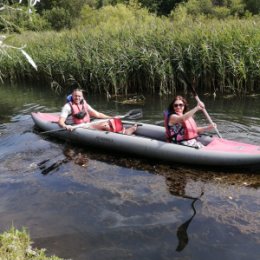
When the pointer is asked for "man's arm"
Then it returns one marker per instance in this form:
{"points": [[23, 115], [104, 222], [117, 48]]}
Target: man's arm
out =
{"points": [[66, 110], [96, 114]]}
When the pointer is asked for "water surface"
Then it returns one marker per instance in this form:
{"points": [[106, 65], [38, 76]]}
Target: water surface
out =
{"points": [[82, 203]]}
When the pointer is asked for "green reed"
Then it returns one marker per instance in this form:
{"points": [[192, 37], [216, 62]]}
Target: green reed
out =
{"points": [[142, 53]]}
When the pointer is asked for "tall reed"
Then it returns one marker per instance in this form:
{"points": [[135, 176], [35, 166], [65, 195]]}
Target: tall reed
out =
{"points": [[142, 53]]}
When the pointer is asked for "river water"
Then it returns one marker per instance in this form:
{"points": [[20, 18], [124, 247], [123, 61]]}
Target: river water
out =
{"points": [[84, 204]]}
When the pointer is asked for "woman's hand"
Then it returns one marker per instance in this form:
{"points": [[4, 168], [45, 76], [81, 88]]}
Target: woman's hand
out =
{"points": [[211, 126], [200, 105]]}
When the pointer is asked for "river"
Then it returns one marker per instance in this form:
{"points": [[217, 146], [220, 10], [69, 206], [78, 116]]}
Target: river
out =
{"points": [[97, 206]]}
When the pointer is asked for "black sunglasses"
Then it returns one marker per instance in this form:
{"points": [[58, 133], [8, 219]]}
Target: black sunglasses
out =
{"points": [[178, 105]]}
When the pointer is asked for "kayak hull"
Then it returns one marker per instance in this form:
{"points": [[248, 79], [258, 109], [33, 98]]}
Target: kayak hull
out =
{"points": [[149, 142]]}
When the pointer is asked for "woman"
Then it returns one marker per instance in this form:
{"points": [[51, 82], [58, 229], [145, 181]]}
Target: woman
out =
{"points": [[180, 125]]}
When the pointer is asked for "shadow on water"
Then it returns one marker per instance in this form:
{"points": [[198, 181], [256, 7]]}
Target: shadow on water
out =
{"points": [[183, 229]]}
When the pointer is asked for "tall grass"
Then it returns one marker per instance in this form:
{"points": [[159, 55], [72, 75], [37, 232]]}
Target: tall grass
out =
{"points": [[121, 50]]}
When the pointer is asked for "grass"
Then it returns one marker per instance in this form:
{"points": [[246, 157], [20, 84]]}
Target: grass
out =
{"points": [[16, 245]]}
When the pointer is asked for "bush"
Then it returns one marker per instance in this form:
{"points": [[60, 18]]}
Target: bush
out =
{"points": [[58, 18], [18, 19], [214, 9]]}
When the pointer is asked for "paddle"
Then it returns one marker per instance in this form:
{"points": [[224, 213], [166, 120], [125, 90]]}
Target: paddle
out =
{"points": [[198, 100], [130, 115], [133, 114]]}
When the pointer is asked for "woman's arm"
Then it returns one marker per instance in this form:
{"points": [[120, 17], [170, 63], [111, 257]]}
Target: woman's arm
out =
{"points": [[203, 129], [174, 118]]}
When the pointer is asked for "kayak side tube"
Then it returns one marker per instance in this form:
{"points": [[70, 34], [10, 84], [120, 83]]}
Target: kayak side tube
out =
{"points": [[149, 141]]}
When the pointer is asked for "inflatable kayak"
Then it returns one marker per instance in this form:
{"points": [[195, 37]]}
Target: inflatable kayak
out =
{"points": [[149, 142]]}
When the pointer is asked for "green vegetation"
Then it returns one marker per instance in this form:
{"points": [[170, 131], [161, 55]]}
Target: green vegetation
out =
{"points": [[15, 244], [123, 48], [65, 14]]}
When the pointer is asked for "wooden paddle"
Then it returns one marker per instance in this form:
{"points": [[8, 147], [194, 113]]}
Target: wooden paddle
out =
{"points": [[198, 100], [130, 115]]}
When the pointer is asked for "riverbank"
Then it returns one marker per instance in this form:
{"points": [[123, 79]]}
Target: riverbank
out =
{"points": [[144, 53]]}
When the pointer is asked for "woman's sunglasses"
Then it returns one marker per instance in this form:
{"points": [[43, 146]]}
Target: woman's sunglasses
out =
{"points": [[178, 105]]}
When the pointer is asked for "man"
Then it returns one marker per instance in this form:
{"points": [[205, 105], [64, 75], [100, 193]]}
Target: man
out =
{"points": [[81, 112]]}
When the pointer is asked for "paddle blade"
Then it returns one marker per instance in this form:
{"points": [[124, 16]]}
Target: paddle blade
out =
{"points": [[160, 123], [133, 114]]}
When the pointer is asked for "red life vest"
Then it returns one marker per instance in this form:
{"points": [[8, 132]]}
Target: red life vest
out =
{"points": [[115, 125], [190, 129], [179, 132], [79, 108]]}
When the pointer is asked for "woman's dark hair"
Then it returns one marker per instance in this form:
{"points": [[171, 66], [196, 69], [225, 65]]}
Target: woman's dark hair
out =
{"points": [[171, 108]]}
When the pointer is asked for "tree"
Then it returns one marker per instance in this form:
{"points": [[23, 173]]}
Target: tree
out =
{"points": [[60, 13], [72, 7], [167, 6], [253, 6], [160, 7]]}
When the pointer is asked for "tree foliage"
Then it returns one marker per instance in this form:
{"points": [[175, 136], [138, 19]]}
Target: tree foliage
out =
{"points": [[213, 8], [64, 14], [252, 6], [60, 13]]}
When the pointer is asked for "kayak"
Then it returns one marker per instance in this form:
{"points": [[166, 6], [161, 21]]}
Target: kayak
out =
{"points": [[149, 142]]}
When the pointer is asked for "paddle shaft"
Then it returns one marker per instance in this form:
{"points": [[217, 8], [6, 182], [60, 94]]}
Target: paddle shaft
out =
{"points": [[86, 125], [132, 114], [206, 114]]}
